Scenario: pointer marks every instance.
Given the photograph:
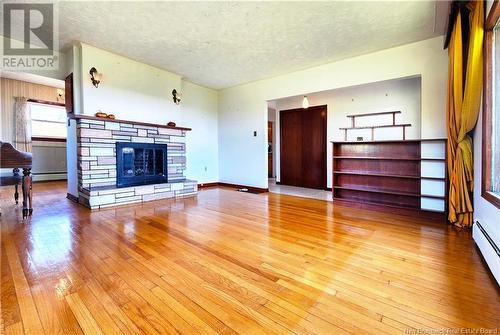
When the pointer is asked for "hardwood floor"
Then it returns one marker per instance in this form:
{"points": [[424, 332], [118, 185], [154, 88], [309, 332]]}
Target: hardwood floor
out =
{"points": [[229, 262]]}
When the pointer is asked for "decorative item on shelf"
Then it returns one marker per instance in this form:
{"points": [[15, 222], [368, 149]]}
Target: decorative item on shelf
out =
{"points": [[60, 94], [305, 102], [101, 114], [171, 124], [95, 77], [111, 116], [176, 96]]}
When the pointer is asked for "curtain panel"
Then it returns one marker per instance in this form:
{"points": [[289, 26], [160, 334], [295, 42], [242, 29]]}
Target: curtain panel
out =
{"points": [[22, 135], [464, 99]]}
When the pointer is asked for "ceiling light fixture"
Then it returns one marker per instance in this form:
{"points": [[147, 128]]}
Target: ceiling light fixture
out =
{"points": [[305, 102], [95, 77]]}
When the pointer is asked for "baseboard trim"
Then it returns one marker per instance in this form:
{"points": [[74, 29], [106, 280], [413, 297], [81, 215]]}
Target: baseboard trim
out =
{"points": [[207, 185], [236, 186], [251, 188], [72, 198], [489, 239], [488, 250]]}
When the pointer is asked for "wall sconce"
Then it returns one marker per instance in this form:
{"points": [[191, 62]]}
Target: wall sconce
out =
{"points": [[305, 102], [176, 96], [95, 77], [60, 94]]}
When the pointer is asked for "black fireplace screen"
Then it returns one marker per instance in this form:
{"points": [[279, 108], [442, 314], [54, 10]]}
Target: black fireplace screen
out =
{"points": [[140, 164]]}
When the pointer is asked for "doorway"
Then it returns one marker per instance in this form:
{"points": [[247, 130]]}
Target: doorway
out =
{"points": [[303, 147]]}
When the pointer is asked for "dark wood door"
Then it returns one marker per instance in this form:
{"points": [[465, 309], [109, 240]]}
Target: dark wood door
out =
{"points": [[269, 149], [303, 147]]}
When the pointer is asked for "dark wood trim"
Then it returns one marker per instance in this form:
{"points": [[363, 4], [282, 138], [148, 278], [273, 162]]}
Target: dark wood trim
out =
{"points": [[68, 93], [47, 181], [405, 194], [251, 188], [72, 198], [386, 175], [390, 158], [373, 127], [493, 16], [427, 214], [207, 185], [235, 186], [88, 117], [487, 125], [46, 102], [392, 141], [376, 113], [48, 139]]}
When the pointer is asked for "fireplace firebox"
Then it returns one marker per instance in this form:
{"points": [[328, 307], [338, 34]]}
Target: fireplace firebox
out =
{"points": [[140, 164]]}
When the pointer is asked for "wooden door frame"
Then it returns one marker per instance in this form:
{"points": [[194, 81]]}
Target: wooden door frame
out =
{"points": [[325, 148]]}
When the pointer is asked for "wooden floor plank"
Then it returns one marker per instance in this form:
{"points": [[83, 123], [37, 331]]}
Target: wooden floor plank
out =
{"points": [[228, 262], [29, 313], [83, 315]]}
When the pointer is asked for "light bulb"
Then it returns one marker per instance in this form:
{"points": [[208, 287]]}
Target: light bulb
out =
{"points": [[305, 102]]}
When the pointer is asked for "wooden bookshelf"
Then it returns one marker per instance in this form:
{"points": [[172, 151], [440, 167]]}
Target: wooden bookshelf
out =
{"points": [[391, 174]]}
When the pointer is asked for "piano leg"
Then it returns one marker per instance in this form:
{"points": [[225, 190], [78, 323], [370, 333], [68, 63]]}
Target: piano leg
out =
{"points": [[16, 193], [27, 193]]}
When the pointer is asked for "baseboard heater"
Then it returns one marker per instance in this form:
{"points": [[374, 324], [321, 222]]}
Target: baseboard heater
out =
{"points": [[488, 238]]}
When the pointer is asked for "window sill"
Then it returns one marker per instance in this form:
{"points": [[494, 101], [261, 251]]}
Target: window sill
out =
{"points": [[492, 198]]}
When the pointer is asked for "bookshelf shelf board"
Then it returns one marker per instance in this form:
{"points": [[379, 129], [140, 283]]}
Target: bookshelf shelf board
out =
{"points": [[372, 190]]}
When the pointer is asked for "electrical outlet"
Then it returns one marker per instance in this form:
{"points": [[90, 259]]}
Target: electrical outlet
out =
{"points": [[255, 133], [205, 169]]}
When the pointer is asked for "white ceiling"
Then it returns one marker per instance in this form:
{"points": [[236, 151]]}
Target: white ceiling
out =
{"points": [[223, 44]]}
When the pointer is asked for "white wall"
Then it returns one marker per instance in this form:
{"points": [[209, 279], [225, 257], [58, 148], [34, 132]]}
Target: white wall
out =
{"points": [[129, 89], [199, 112], [243, 109], [393, 95]]}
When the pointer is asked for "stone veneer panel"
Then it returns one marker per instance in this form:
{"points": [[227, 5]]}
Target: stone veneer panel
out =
{"points": [[96, 141]]}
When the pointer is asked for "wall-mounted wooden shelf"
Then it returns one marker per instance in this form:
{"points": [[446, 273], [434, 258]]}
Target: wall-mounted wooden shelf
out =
{"points": [[389, 173], [393, 125]]}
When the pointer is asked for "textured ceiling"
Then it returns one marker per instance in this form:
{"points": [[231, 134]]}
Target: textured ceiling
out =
{"points": [[222, 44]]}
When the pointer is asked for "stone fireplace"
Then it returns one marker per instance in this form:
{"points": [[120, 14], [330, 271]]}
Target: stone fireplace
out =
{"points": [[123, 162]]}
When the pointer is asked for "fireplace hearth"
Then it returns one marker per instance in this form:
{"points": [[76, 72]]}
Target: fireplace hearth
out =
{"points": [[140, 164]]}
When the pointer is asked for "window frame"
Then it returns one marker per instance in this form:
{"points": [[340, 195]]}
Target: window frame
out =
{"points": [[487, 125], [46, 138]]}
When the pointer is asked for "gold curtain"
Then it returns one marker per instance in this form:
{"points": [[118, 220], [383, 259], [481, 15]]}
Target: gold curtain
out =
{"points": [[462, 112]]}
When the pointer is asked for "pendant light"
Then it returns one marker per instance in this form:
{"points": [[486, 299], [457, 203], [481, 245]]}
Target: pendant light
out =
{"points": [[305, 102]]}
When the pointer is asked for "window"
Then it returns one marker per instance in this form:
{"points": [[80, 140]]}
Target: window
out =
{"points": [[495, 115], [491, 109], [48, 120]]}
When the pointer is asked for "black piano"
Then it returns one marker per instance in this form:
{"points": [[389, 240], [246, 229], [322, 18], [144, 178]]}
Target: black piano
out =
{"points": [[15, 159]]}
